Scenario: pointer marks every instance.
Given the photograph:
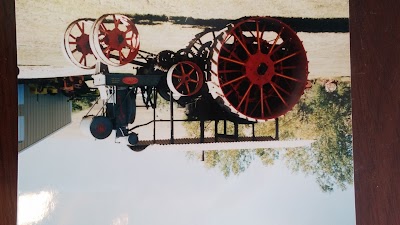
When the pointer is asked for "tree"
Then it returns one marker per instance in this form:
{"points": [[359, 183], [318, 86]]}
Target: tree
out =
{"points": [[325, 117], [321, 116], [227, 161]]}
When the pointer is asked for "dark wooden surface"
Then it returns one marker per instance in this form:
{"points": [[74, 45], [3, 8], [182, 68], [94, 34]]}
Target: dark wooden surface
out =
{"points": [[375, 71], [375, 58], [8, 114]]}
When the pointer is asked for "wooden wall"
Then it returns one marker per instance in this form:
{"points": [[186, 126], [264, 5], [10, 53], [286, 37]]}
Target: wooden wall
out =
{"points": [[8, 114], [375, 71]]}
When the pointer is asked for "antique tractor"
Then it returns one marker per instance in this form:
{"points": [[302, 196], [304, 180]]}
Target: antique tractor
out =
{"points": [[253, 69]]}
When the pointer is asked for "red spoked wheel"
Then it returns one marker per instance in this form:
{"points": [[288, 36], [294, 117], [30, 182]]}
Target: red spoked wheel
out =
{"points": [[185, 78], [259, 68], [76, 44], [114, 39]]}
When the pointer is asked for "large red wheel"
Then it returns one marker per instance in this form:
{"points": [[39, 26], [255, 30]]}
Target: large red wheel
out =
{"points": [[76, 44], [259, 68], [114, 39], [185, 78]]}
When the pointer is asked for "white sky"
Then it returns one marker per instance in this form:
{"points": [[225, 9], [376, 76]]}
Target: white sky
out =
{"points": [[106, 183]]}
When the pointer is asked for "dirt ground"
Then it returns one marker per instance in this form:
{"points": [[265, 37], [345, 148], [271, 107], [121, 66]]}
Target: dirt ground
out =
{"points": [[41, 26]]}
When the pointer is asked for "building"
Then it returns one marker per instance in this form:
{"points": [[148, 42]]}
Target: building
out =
{"points": [[40, 115]]}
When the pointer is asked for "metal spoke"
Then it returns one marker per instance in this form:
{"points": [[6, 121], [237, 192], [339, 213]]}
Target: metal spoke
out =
{"points": [[231, 53], [263, 30], [254, 108], [268, 108], [281, 89], [190, 72], [287, 77], [103, 28], [287, 57], [116, 22], [249, 30], [73, 43], [232, 89], [233, 81], [232, 60], [182, 70], [275, 41], [83, 56], [130, 47], [280, 47], [187, 87], [180, 84], [245, 95], [73, 51], [279, 95], [82, 29], [107, 51], [128, 29], [243, 37], [247, 104], [121, 56], [258, 37], [242, 44], [72, 36], [288, 67], [193, 80], [229, 71]]}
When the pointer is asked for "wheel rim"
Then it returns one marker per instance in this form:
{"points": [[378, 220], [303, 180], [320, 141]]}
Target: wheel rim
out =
{"points": [[114, 39], [259, 68], [185, 78], [200, 48], [76, 44]]}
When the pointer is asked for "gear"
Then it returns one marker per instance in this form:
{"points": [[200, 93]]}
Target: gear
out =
{"points": [[165, 59], [184, 54]]}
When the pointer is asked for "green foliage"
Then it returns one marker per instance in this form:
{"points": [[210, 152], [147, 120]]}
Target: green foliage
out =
{"points": [[326, 118], [229, 161], [82, 103], [267, 156], [321, 116]]}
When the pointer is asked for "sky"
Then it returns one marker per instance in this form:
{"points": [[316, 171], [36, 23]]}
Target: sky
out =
{"points": [[84, 181]]}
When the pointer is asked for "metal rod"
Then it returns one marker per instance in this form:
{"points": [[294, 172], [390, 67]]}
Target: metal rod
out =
{"points": [[178, 120], [236, 134], [253, 130], [201, 131], [154, 114], [171, 108], [216, 130], [225, 127], [276, 129]]}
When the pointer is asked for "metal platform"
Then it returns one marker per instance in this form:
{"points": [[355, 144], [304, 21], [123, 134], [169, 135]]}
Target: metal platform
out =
{"points": [[207, 140]]}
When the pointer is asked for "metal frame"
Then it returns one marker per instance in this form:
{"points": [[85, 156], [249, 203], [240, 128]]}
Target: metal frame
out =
{"points": [[234, 136]]}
